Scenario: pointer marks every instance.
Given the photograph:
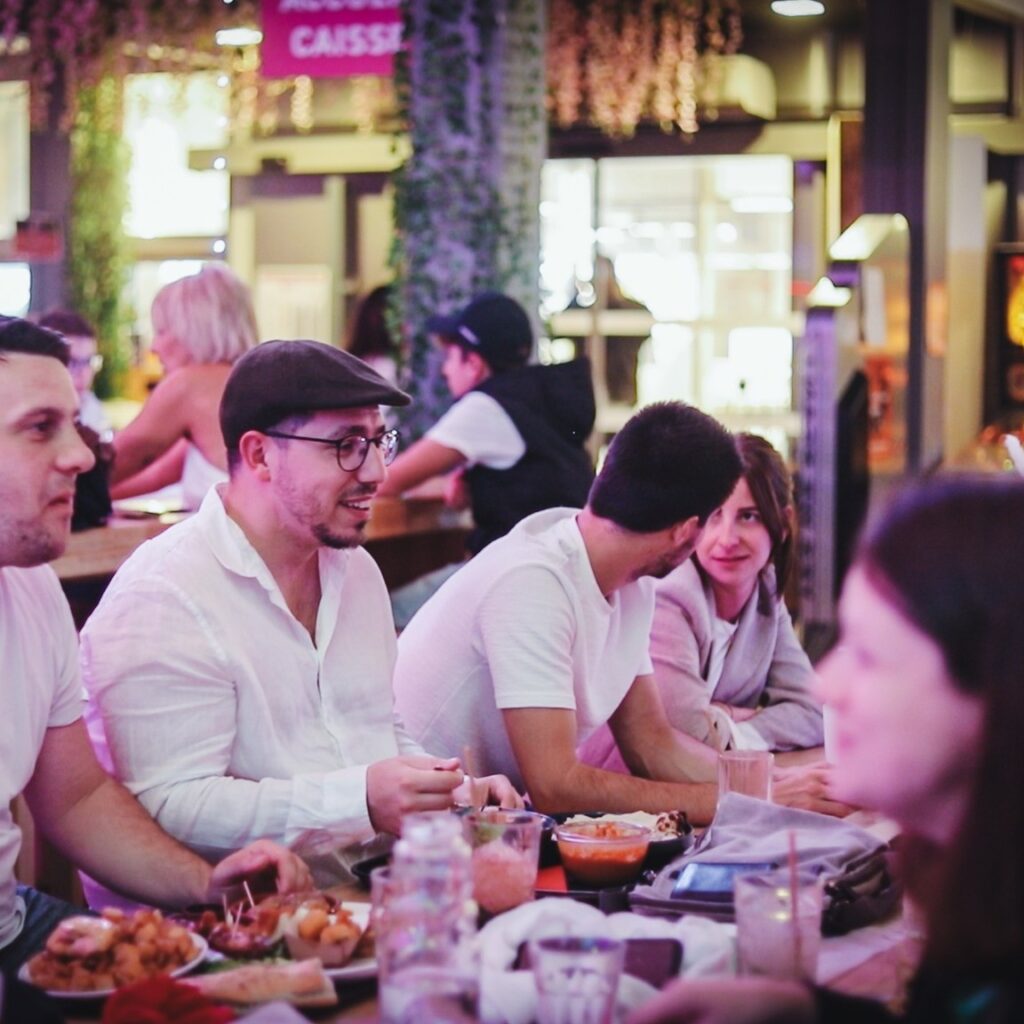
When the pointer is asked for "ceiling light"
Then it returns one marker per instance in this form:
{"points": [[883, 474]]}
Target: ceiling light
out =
{"points": [[238, 36], [798, 8]]}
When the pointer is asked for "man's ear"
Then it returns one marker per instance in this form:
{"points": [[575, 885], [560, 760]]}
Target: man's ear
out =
{"points": [[686, 532], [253, 447], [481, 368]]}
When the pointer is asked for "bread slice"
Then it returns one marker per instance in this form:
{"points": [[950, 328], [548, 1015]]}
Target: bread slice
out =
{"points": [[302, 983]]}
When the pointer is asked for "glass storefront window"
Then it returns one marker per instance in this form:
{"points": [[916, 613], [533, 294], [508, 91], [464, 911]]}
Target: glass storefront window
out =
{"points": [[15, 288], [165, 117], [14, 204], [694, 301]]}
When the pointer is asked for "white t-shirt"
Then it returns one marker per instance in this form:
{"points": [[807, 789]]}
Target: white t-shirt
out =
{"points": [[477, 427], [40, 688], [92, 414], [213, 705], [522, 625]]}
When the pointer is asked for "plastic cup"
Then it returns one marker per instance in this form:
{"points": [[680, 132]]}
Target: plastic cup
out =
{"points": [[746, 771], [506, 852], [577, 978], [768, 942]]}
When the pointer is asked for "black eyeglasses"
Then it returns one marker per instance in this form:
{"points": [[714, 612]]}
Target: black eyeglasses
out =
{"points": [[351, 451]]}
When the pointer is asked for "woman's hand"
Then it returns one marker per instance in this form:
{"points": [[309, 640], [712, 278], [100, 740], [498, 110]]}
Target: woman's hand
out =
{"points": [[728, 1001], [806, 787]]}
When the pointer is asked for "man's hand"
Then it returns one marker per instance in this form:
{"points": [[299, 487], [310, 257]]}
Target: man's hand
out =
{"points": [[400, 785], [488, 789], [728, 1001], [259, 863], [806, 787]]}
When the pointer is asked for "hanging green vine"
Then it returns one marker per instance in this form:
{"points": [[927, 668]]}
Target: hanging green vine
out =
{"points": [[97, 262], [452, 225]]}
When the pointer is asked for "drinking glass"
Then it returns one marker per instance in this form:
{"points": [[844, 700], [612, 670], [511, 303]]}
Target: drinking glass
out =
{"points": [[768, 940], [577, 978], [746, 771], [506, 852]]}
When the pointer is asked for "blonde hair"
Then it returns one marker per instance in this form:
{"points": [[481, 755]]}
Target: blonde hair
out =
{"points": [[209, 313]]}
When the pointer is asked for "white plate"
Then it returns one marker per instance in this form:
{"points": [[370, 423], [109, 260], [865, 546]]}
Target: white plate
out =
{"points": [[198, 942], [354, 970]]}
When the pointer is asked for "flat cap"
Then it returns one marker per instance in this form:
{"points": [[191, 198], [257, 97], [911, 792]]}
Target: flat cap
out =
{"points": [[278, 379]]}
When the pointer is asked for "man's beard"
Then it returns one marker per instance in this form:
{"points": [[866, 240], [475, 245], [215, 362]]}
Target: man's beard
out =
{"points": [[28, 544], [333, 540]]}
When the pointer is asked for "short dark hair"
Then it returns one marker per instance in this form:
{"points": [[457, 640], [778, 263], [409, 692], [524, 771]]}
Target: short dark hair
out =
{"points": [[668, 463], [65, 322], [948, 555], [17, 335]]}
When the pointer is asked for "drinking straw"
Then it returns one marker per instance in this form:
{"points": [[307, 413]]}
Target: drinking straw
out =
{"points": [[469, 766], [793, 918]]}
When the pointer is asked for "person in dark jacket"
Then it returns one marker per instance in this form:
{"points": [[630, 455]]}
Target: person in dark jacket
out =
{"points": [[513, 442], [925, 686]]}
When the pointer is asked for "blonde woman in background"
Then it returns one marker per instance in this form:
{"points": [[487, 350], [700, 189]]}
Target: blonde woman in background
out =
{"points": [[201, 325]]}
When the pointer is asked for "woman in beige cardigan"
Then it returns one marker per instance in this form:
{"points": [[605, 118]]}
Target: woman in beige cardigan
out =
{"points": [[729, 667]]}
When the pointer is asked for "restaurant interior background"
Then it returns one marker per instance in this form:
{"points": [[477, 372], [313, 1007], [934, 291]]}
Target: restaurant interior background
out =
{"points": [[697, 258]]}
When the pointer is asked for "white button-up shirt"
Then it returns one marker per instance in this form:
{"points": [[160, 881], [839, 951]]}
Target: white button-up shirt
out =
{"points": [[216, 708]]}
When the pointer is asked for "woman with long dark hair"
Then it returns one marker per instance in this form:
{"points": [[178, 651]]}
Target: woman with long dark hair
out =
{"points": [[927, 687], [729, 667]]}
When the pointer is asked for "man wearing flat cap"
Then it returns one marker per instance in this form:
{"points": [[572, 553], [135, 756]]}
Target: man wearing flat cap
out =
{"points": [[239, 665]]}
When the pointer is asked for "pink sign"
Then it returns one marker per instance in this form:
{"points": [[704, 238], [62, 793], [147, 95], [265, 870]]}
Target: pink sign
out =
{"points": [[330, 38]]}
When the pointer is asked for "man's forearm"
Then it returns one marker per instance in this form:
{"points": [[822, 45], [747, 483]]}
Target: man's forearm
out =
{"points": [[585, 788], [109, 835]]}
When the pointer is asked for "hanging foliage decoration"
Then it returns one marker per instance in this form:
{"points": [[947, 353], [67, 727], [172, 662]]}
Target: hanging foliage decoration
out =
{"points": [[77, 54], [614, 63]]}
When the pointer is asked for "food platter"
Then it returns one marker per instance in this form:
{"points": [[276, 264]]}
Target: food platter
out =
{"points": [[200, 954], [359, 968]]}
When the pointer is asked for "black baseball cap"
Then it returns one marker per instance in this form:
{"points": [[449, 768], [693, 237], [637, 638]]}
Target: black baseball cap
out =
{"points": [[494, 325], [277, 379]]}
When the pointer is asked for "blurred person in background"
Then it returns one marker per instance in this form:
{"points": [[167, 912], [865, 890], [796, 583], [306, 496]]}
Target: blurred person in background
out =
{"points": [[925, 683], [370, 339], [514, 441], [201, 325], [86, 362]]}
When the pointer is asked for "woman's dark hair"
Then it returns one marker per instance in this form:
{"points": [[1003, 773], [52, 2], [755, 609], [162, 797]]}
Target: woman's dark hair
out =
{"points": [[17, 335], [370, 334], [668, 463], [949, 555], [771, 487]]}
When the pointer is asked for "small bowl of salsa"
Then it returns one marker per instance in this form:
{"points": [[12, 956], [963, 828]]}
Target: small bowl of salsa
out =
{"points": [[604, 853]]}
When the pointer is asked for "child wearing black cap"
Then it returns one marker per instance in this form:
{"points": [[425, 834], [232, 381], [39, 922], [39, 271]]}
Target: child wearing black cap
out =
{"points": [[515, 434]]}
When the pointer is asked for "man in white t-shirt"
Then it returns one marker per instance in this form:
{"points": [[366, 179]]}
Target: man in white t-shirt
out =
{"points": [[543, 636], [239, 665], [513, 442], [44, 750]]}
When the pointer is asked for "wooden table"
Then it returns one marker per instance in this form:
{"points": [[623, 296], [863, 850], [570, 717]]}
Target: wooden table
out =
{"points": [[406, 537]]}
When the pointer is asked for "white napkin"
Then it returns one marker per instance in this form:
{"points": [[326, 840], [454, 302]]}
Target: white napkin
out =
{"points": [[510, 997]]}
